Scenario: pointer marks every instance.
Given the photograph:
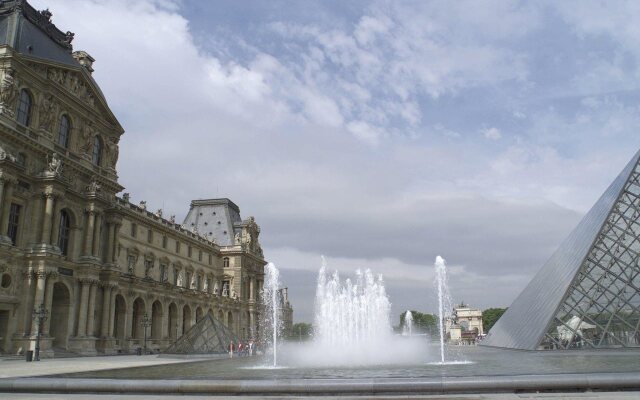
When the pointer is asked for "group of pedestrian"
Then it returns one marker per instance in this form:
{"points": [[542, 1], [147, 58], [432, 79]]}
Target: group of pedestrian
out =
{"points": [[242, 349]]}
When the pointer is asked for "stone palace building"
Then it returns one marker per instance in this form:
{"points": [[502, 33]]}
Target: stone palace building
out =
{"points": [[98, 264]]}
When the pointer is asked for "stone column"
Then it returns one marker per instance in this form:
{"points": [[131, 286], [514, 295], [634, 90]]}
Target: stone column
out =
{"points": [[112, 312], [48, 301], [48, 218], [110, 256], [2, 202], [91, 309], [82, 313], [180, 316], [30, 282], [165, 323], [55, 232], [116, 240], [96, 235], [88, 233], [6, 208], [106, 311], [252, 288], [39, 297], [252, 324]]}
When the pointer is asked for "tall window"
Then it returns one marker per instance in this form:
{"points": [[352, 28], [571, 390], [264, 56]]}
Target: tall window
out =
{"points": [[163, 272], [164, 242], [149, 236], [134, 230], [63, 132], [96, 156], [177, 247], [64, 232], [225, 262], [24, 108], [189, 251], [14, 218]]}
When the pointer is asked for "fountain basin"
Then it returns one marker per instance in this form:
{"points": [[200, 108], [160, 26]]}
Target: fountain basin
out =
{"points": [[380, 386]]}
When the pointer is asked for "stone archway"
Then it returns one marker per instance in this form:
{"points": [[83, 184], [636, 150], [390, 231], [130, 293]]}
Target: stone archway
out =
{"points": [[60, 311], [198, 314], [173, 321], [119, 319], [156, 320], [230, 321], [186, 318], [221, 317], [137, 330]]}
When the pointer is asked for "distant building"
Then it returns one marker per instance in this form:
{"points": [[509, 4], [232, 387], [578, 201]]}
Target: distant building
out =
{"points": [[465, 325]]}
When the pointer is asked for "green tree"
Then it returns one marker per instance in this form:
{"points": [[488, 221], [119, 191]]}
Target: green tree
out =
{"points": [[490, 316], [301, 331], [422, 322]]}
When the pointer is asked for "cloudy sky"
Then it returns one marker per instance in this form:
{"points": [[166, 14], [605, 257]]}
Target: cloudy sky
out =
{"points": [[379, 134]]}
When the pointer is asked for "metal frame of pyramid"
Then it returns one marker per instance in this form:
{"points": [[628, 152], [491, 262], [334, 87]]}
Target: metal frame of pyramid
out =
{"points": [[587, 295], [207, 336]]}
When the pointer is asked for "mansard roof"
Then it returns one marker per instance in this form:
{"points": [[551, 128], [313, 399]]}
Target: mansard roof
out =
{"points": [[31, 32], [36, 40]]}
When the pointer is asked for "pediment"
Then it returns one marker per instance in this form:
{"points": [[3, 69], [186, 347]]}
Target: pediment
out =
{"points": [[75, 81]]}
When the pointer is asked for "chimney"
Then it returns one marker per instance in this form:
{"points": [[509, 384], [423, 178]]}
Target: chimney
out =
{"points": [[83, 58]]}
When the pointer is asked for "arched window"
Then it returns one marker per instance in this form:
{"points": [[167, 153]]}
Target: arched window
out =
{"points": [[24, 108], [63, 132], [64, 232], [96, 156]]}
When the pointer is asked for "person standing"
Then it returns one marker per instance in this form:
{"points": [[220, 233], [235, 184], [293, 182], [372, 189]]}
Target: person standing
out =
{"points": [[231, 349]]}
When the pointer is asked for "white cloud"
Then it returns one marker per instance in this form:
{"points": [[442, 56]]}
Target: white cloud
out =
{"points": [[491, 133], [359, 139]]}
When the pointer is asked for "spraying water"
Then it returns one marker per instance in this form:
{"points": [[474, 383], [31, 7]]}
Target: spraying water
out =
{"points": [[407, 327], [351, 314], [271, 323], [444, 300]]}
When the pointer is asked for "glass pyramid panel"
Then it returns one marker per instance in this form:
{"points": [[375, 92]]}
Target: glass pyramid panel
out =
{"points": [[591, 280], [207, 336], [602, 306]]}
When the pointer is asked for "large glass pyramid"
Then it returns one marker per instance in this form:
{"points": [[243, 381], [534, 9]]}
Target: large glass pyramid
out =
{"points": [[207, 336], [587, 295]]}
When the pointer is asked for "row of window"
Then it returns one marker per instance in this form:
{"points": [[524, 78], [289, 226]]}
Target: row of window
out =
{"points": [[165, 244], [64, 229], [188, 282], [23, 116]]}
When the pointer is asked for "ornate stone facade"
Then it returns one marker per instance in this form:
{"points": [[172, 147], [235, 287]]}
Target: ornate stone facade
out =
{"points": [[97, 263]]}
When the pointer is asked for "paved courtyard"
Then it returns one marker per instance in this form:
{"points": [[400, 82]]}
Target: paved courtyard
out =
{"points": [[14, 368]]}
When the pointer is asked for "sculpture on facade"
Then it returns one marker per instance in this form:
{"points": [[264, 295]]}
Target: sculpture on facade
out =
{"points": [[238, 238], [143, 204], [47, 112], [112, 152], [94, 187], [159, 213], [5, 155], [180, 279], [8, 92], [54, 164], [86, 143]]}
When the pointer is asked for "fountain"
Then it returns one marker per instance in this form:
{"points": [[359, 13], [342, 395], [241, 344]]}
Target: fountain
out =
{"points": [[270, 318], [351, 314], [444, 301], [352, 326], [407, 326]]}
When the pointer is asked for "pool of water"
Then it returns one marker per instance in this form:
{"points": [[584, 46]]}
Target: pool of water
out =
{"points": [[478, 361]]}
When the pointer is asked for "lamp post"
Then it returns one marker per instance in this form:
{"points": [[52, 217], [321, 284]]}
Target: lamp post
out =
{"points": [[145, 322], [41, 314]]}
